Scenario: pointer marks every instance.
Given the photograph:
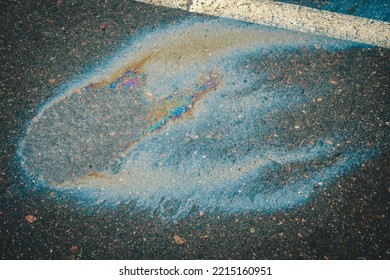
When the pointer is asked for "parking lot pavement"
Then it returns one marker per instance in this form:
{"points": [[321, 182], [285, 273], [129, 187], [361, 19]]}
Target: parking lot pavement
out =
{"points": [[136, 131]]}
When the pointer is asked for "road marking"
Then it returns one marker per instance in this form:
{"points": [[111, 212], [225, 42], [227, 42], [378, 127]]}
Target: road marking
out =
{"points": [[289, 16]]}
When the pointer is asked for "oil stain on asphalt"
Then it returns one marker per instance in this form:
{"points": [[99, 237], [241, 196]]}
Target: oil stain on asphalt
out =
{"points": [[186, 121], [247, 141]]}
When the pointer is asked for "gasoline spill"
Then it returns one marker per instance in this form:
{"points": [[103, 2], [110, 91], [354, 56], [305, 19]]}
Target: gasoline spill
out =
{"points": [[186, 116]]}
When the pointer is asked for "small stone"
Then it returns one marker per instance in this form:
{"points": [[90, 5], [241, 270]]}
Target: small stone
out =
{"points": [[378, 218], [252, 230], [103, 26], [178, 239], [74, 249], [112, 133], [31, 218]]}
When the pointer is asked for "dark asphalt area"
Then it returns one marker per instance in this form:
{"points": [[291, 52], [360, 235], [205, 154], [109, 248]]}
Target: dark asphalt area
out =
{"points": [[44, 44]]}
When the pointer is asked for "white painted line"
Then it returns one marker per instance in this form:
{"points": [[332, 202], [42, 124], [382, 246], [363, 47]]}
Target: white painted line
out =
{"points": [[292, 17], [181, 4]]}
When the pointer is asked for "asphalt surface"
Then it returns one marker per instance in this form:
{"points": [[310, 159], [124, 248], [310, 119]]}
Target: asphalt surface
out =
{"points": [[373, 9], [47, 44]]}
